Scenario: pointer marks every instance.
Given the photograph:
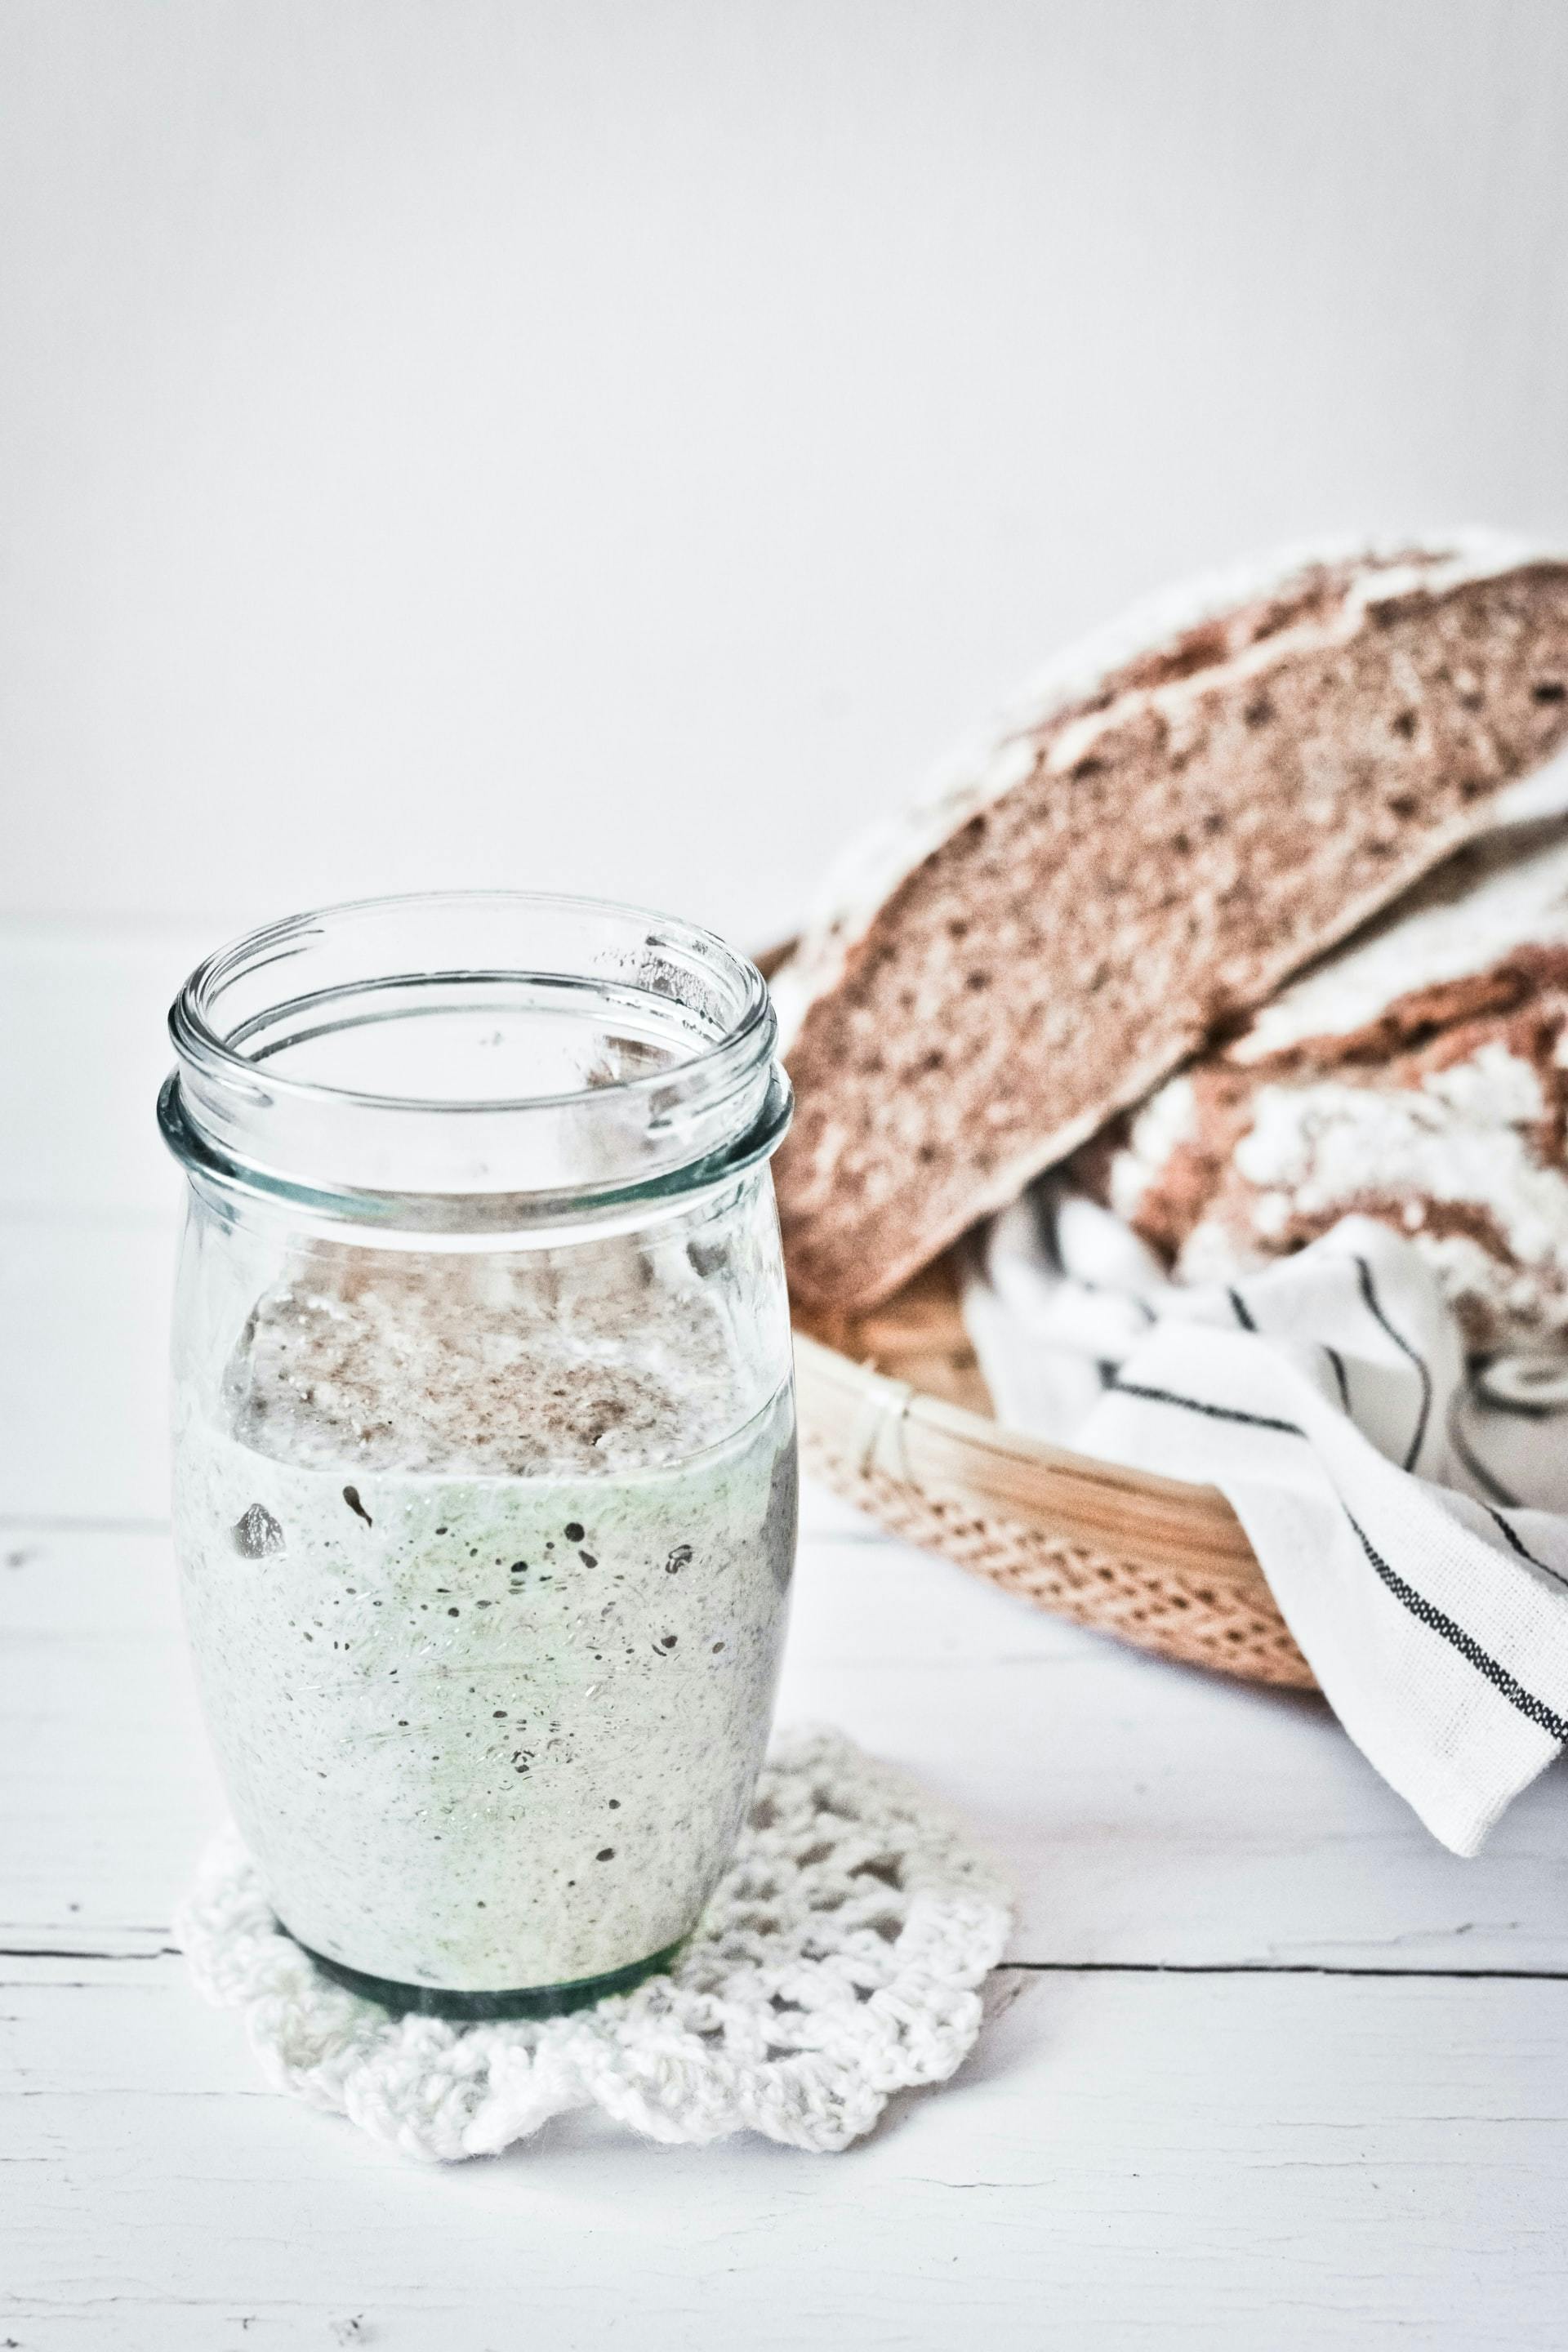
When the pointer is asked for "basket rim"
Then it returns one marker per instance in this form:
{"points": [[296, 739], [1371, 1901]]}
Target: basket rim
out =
{"points": [[922, 1441]]}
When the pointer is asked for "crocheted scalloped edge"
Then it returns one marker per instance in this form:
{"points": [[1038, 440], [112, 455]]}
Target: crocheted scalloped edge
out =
{"points": [[840, 1960]]}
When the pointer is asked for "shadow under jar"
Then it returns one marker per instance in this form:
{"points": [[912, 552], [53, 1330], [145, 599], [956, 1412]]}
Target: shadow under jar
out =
{"points": [[484, 1431]]}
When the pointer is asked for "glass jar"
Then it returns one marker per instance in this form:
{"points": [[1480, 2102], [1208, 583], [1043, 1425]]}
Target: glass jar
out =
{"points": [[484, 1433]]}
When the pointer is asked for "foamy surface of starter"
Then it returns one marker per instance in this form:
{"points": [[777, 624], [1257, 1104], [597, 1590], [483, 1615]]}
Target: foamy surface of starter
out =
{"points": [[487, 1370]]}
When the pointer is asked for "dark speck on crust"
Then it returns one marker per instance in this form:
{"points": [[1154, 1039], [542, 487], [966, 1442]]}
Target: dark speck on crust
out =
{"points": [[351, 1496]]}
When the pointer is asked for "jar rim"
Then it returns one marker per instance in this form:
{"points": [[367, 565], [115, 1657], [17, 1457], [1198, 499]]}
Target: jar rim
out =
{"points": [[543, 964], [195, 1038]]}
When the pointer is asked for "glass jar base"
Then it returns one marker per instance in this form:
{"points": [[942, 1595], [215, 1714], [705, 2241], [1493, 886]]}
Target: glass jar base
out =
{"points": [[476, 2007]]}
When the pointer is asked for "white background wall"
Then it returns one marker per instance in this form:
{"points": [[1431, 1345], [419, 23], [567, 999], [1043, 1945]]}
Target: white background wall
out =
{"points": [[615, 447]]}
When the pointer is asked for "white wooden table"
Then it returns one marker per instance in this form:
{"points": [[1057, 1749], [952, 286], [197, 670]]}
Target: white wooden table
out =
{"points": [[1267, 2067]]}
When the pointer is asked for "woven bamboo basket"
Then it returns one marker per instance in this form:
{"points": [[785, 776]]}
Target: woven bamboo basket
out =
{"points": [[895, 1416]]}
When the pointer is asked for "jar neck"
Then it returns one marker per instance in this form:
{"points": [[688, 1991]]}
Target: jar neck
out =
{"points": [[473, 1062]]}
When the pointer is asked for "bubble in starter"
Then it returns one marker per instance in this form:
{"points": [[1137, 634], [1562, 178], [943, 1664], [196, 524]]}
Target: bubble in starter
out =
{"points": [[257, 1535]]}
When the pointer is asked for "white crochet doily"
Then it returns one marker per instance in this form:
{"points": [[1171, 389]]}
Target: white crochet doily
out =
{"points": [[840, 1960]]}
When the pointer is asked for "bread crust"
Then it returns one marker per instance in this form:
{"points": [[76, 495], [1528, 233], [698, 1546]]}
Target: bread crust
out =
{"points": [[1167, 827]]}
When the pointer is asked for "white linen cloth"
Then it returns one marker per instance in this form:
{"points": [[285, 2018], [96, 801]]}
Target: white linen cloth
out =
{"points": [[1414, 1529]]}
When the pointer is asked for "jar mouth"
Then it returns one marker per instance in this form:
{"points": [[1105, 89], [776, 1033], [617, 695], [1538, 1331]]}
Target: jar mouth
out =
{"points": [[479, 1051]]}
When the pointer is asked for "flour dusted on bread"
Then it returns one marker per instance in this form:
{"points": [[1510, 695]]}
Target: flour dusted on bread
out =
{"points": [[1420, 1074], [1174, 821]]}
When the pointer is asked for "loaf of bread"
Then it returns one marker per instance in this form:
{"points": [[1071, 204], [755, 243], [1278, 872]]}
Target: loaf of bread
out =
{"points": [[1169, 825], [1419, 1073]]}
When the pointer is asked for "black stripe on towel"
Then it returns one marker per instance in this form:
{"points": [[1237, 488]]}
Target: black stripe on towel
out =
{"points": [[1338, 1362], [1426, 1612], [1474, 1464], [1522, 1549], [1214, 1411], [1241, 1310], [1400, 1341]]}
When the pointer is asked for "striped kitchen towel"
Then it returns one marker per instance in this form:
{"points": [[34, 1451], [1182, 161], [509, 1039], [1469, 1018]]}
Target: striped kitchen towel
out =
{"points": [[1411, 1515]]}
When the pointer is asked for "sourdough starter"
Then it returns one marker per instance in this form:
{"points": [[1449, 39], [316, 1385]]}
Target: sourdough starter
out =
{"points": [[487, 1593]]}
